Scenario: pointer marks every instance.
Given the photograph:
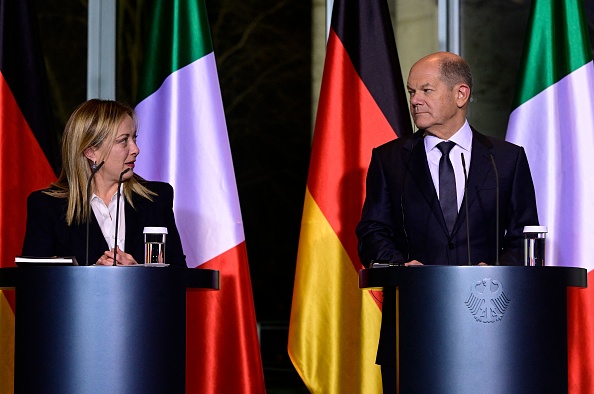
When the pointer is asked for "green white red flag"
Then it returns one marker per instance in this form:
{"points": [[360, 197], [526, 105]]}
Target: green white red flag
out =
{"points": [[553, 119], [184, 141]]}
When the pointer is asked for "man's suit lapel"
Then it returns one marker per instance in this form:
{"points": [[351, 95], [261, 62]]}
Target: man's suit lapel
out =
{"points": [[480, 166], [419, 171]]}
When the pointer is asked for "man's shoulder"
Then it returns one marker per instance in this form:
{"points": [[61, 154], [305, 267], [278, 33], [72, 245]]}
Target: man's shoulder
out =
{"points": [[406, 142], [497, 144]]}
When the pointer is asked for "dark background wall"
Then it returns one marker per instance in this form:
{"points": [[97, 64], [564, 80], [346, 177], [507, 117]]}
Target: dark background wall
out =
{"points": [[263, 51]]}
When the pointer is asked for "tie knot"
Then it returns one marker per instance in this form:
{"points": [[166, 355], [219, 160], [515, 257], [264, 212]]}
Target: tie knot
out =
{"points": [[445, 147]]}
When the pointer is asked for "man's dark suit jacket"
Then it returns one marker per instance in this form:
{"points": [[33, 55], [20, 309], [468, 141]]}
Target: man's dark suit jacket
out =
{"points": [[48, 234], [402, 220]]}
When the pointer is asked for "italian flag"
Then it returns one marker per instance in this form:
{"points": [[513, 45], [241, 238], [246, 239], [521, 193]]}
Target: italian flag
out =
{"points": [[334, 327], [183, 140], [554, 120], [28, 149]]}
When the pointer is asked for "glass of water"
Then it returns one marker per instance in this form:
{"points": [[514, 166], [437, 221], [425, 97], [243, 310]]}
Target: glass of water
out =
{"points": [[154, 245], [534, 245]]}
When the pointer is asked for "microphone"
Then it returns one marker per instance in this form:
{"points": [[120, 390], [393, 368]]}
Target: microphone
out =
{"points": [[466, 206], [496, 209], [90, 211], [414, 144], [115, 247]]}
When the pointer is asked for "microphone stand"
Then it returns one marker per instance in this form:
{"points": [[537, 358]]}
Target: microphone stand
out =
{"points": [[93, 172], [115, 248], [414, 145], [496, 209], [466, 206]]}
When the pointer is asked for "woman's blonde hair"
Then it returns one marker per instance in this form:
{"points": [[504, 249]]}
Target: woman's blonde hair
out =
{"points": [[93, 124]]}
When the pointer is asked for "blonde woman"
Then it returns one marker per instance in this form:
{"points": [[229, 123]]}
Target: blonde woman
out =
{"points": [[100, 134]]}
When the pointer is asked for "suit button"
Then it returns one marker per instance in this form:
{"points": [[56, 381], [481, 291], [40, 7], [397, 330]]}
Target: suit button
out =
{"points": [[451, 246]]}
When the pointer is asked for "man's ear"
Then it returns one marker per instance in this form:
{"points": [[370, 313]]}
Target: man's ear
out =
{"points": [[462, 94]]}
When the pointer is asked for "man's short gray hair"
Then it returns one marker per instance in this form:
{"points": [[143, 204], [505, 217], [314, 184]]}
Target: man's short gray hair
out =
{"points": [[454, 71]]}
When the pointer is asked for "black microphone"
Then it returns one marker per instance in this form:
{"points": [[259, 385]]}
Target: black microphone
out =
{"points": [[414, 144], [466, 206], [115, 247], [496, 209], [90, 211]]}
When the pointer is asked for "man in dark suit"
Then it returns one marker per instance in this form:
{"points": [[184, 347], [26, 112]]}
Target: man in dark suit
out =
{"points": [[415, 206]]}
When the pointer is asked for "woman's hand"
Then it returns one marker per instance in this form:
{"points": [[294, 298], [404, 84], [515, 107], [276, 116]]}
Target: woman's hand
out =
{"points": [[122, 257]]}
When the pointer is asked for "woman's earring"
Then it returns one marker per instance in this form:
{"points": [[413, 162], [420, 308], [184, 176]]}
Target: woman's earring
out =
{"points": [[94, 166]]}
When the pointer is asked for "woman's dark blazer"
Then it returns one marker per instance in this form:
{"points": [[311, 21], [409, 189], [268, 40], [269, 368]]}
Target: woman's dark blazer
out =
{"points": [[48, 234]]}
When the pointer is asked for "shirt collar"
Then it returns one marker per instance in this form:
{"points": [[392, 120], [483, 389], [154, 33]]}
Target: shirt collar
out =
{"points": [[95, 197], [462, 138]]}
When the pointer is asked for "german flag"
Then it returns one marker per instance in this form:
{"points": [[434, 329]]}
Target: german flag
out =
{"points": [[28, 149], [335, 326]]}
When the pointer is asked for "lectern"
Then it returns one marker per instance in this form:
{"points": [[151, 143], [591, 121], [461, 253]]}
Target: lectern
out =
{"points": [[479, 329], [102, 329]]}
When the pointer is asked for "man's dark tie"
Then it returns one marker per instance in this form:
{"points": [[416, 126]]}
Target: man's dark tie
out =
{"points": [[447, 185]]}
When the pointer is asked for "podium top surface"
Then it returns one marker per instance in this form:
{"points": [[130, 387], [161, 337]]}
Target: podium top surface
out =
{"points": [[377, 278], [192, 278]]}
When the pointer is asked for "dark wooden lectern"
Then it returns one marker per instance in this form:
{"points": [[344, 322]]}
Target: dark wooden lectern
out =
{"points": [[480, 329], [102, 329]]}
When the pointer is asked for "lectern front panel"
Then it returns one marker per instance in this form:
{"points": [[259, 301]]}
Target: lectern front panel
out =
{"points": [[480, 329], [100, 330]]}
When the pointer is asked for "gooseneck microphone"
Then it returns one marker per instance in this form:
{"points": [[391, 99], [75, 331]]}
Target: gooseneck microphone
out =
{"points": [[115, 246], [496, 209], [90, 211], [413, 146], [466, 206]]}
